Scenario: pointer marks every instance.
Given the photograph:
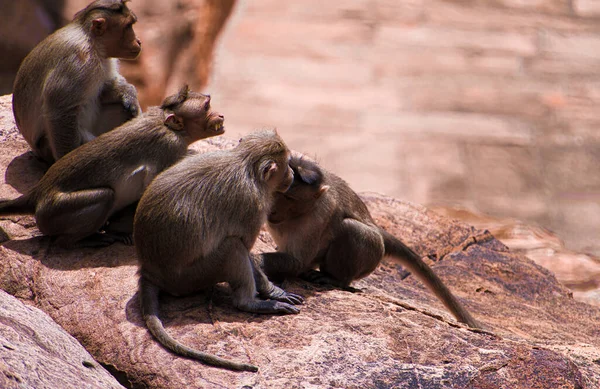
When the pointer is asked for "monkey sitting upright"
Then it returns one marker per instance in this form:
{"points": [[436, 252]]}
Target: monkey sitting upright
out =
{"points": [[195, 225], [320, 222], [67, 87], [82, 190]]}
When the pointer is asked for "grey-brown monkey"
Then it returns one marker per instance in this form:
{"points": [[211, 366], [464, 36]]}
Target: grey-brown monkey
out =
{"points": [[320, 222], [68, 89], [195, 226], [82, 190]]}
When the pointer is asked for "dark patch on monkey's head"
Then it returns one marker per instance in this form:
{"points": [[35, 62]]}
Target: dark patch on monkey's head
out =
{"points": [[306, 171], [304, 193], [170, 102]]}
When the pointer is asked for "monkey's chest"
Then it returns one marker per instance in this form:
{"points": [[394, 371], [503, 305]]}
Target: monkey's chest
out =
{"points": [[130, 186], [301, 240]]}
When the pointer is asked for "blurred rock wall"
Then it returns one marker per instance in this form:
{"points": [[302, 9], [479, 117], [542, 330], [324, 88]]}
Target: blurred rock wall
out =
{"points": [[489, 104]]}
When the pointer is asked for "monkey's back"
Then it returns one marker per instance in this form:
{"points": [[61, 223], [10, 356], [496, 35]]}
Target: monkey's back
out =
{"points": [[103, 161], [30, 79], [190, 208]]}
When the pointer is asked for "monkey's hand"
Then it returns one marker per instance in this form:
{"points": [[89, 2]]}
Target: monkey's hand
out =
{"points": [[119, 91], [130, 100], [281, 295]]}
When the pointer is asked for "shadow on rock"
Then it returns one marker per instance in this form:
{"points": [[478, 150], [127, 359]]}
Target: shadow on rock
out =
{"points": [[24, 172], [42, 249], [205, 307]]}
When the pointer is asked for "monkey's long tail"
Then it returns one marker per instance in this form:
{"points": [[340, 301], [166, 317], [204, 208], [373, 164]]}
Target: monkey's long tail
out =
{"points": [[149, 296], [407, 257], [19, 206]]}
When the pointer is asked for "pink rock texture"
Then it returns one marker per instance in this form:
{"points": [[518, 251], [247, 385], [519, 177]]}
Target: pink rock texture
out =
{"points": [[37, 353], [579, 272], [394, 334]]}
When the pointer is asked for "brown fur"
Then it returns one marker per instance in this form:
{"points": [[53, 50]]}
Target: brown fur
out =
{"points": [[321, 223], [196, 224], [68, 89], [82, 190]]}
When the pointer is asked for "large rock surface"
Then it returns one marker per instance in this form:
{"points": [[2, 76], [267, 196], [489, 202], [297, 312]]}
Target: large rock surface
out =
{"points": [[578, 271], [393, 334], [37, 353]]}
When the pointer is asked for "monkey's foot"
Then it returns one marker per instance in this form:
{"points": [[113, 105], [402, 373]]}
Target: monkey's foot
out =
{"points": [[281, 295], [268, 306]]}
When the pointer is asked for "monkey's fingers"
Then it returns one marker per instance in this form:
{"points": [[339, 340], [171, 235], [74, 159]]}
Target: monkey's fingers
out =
{"points": [[281, 295], [285, 308], [268, 306], [292, 298]]}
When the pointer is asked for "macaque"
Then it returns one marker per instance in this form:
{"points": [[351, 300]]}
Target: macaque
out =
{"points": [[196, 224], [79, 193], [68, 89], [321, 223]]}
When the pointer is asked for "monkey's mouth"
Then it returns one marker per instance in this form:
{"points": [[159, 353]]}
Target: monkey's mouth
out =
{"points": [[216, 126]]}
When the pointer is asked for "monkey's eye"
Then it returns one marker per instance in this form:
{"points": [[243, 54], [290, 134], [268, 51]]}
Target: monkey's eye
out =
{"points": [[207, 106]]}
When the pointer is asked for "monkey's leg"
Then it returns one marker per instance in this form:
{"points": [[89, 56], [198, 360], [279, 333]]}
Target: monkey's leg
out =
{"points": [[237, 269], [278, 266], [71, 217], [353, 254], [121, 224], [267, 290]]}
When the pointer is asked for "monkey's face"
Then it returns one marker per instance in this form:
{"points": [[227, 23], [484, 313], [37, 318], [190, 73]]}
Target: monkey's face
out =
{"points": [[118, 36], [199, 119]]}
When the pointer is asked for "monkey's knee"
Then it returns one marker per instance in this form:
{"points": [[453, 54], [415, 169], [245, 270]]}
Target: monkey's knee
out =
{"points": [[355, 253], [78, 214]]}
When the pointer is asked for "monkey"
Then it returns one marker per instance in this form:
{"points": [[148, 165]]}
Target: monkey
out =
{"points": [[320, 222], [68, 89], [81, 191], [196, 224]]}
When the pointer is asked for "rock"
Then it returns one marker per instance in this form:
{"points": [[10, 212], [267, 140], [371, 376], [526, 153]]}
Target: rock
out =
{"points": [[393, 334], [37, 353], [579, 272], [23, 24]]}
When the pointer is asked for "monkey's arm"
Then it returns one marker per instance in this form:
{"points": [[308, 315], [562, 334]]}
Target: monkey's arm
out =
{"points": [[278, 266], [118, 91], [63, 102]]}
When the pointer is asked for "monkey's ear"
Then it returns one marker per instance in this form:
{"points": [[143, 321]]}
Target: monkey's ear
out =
{"points": [[174, 122], [99, 26], [269, 171], [322, 190]]}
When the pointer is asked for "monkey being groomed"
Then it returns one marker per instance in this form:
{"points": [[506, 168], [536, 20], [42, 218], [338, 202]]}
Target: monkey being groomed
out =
{"points": [[68, 89], [196, 224], [81, 191], [320, 222]]}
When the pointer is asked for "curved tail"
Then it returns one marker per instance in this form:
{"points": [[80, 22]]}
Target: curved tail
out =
{"points": [[19, 206], [407, 257], [149, 298]]}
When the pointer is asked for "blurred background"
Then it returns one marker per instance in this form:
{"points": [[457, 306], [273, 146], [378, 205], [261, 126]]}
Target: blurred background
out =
{"points": [[476, 107]]}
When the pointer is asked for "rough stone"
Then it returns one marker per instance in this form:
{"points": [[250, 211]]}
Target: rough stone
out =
{"points": [[393, 334], [36, 353]]}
